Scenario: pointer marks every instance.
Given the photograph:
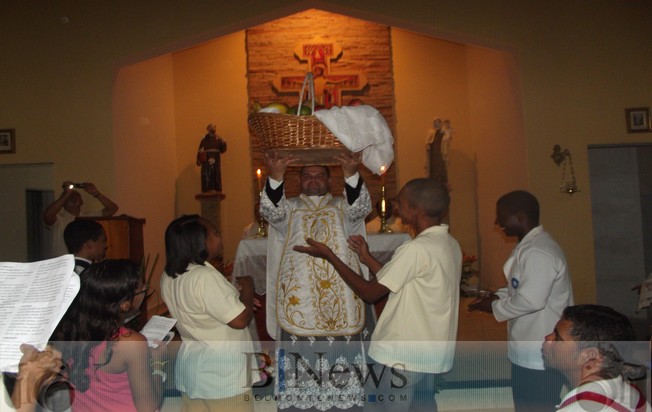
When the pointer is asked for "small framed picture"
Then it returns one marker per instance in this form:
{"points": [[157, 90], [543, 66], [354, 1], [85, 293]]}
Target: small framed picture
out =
{"points": [[7, 141], [638, 120]]}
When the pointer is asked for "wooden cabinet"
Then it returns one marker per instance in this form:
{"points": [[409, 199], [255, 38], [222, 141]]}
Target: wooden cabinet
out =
{"points": [[124, 237]]}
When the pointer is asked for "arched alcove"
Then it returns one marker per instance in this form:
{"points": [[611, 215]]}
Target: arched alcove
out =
{"points": [[164, 100]]}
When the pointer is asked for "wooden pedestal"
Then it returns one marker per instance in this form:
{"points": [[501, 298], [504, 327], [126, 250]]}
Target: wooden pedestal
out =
{"points": [[211, 207]]}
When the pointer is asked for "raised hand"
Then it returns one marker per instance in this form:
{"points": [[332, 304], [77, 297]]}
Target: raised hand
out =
{"points": [[358, 244], [66, 186], [350, 162], [277, 165], [91, 189]]}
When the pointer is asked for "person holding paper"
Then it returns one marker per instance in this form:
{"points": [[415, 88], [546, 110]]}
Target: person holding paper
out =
{"points": [[37, 369], [111, 367], [212, 317]]}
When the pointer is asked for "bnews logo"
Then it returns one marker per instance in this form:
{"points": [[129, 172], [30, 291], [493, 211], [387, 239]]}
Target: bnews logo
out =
{"points": [[328, 398], [338, 375]]}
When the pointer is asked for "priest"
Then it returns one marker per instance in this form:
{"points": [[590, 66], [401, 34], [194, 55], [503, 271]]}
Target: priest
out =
{"points": [[318, 321]]}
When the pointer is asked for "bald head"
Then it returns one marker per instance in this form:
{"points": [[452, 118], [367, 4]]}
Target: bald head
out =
{"points": [[73, 203], [427, 195]]}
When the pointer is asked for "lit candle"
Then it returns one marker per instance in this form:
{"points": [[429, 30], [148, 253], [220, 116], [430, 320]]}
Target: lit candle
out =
{"points": [[382, 175], [260, 175]]}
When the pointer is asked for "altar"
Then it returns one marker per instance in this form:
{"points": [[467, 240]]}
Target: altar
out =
{"points": [[251, 256], [251, 260]]}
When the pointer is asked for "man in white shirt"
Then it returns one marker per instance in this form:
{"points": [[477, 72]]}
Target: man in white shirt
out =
{"points": [[68, 207], [414, 339], [538, 289], [591, 346]]}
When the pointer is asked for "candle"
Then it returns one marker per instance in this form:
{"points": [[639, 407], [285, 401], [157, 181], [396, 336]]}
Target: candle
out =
{"points": [[382, 175], [260, 185]]}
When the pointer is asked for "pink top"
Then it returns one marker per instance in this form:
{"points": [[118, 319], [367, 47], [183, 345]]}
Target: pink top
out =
{"points": [[107, 392]]}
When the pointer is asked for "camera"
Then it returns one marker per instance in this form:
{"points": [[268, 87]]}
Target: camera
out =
{"points": [[54, 391], [76, 185]]}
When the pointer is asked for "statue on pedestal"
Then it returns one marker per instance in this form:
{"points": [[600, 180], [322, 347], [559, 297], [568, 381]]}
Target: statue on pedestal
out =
{"points": [[437, 144], [208, 157]]}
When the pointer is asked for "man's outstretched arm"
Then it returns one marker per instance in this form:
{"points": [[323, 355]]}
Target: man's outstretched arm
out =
{"points": [[368, 290]]}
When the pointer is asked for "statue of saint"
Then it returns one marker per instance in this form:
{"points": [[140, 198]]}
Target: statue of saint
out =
{"points": [[208, 157], [437, 144]]}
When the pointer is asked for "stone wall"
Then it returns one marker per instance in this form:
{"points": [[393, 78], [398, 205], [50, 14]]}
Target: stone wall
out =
{"points": [[366, 49]]}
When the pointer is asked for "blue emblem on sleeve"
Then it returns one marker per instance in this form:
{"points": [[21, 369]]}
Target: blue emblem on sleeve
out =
{"points": [[515, 283]]}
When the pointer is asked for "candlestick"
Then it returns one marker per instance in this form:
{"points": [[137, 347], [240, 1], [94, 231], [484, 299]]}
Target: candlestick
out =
{"points": [[383, 213], [262, 230]]}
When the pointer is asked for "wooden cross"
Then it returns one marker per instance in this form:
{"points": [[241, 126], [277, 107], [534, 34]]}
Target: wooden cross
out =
{"points": [[328, 87]]}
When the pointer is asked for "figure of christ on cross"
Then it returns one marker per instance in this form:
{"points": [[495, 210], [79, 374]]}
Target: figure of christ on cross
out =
{"points": [[328, 87]]}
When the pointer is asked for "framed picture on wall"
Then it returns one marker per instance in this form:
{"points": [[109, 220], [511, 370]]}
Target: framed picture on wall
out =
{"points": [[638, 120], [7, 141]]}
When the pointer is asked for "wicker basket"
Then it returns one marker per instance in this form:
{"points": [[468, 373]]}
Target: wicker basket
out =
{"points": [[304, 137]]}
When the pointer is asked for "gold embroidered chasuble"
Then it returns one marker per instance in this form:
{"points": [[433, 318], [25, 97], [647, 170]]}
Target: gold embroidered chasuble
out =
{"points": [[306, 294]]}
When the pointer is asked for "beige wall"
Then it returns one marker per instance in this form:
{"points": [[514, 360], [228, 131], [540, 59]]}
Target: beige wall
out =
{"points": [[580, 64], [478, 89], [499, 149], [144, 130], [161, 109], [210, 87]]}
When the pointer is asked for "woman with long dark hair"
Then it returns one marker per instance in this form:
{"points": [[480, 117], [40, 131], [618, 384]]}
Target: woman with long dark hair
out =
{"points": [[110, 366]]}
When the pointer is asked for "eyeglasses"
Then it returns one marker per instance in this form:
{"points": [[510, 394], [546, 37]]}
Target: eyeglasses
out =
{"points": [[145, 288]]}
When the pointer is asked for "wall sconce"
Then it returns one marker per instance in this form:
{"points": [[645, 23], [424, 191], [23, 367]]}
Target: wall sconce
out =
{"points": [[564, 157]]}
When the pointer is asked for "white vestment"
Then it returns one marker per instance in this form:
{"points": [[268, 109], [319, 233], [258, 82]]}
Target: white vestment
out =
{"points": [[305, 295]]}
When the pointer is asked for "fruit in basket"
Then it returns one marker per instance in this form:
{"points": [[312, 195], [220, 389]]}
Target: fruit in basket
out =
{"points": [[276, 107], [305, 110]]}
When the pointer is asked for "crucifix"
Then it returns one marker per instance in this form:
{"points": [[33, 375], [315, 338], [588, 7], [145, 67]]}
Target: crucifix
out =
{"points": [[328, 86]]}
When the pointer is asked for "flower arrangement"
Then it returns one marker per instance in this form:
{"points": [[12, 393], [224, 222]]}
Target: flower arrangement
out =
{"points": [[468, 268]]}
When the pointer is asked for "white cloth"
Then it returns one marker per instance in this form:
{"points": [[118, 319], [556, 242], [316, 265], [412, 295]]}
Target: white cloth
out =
{"points": [[609, 390], [373, 226], [538, 289], [327, 219], [212, 360], [362, 128], [418, 326]]}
